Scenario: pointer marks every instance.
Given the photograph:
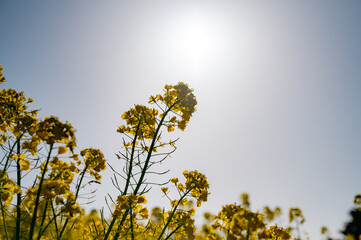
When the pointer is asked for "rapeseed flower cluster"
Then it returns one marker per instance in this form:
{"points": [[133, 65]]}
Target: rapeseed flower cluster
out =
{"points": [[198, 186], [15, 120], [295, 214], [275, 233], [8, 188], [238, 222], [180, 100], [133, 202], [141, 121], [270, 214], [94, 162]]}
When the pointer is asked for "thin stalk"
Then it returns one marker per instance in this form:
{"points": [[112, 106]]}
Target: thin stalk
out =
{"points": [[48, 224], [4, 221], [42, 220], [76, 197], [119, 226], [152, 147], [18, 196], [55, 223], [9, 154], [131, 159], [175, 230], [171, 215], [128, 179], [33, 221], [131, 225]]}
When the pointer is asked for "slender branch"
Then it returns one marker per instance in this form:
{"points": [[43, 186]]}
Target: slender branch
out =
{"points": [[131, 159], [42, 220], [76, 197], [18, 196], [171, 215], [131, 225], [152, 147], [33, 221], [174, 231], [4, 220]]}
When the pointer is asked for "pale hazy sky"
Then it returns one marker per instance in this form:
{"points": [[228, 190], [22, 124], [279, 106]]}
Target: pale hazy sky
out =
{"points": [[278, 85]]}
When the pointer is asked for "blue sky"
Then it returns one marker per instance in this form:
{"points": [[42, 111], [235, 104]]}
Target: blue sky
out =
{"points": [[278, 86]]}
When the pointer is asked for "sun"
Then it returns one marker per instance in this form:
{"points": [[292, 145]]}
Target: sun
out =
{"points": [[195, 40]]}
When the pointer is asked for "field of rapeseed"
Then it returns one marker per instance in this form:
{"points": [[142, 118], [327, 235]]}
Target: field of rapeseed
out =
{"points": [[41, 175]]}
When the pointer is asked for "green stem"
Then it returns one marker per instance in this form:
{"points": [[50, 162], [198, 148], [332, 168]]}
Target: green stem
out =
{"points": [[54, 216], [112, 224], [131, 159], [33, 221], [152, 147], [174, 231], [131, 225], [18, 196], [4, 221], [171, 215], [9, 154], [76, 197], [42, 220], [48, 224]]}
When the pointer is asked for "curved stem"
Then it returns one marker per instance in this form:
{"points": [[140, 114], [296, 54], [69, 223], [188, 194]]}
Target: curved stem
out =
{"points": [[76, 197], [131, 159], [9, 154], [4, 220], [152, 147], [43, 220], [131, 225], [174, 231], [112, 224], [18, 196], [33, 221], [171, 215]]}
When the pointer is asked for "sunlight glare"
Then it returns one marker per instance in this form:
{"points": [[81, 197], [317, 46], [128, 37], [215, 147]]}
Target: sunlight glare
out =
{"points": [[196, 41]]}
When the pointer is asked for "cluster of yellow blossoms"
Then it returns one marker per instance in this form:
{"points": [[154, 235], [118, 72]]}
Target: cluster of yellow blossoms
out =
{"points": [[7, 188], [51, 131], [198, 186], [14, 119], [179, 99], [238, 222], [131, 202], [143, 123], [295, 214], [94, 162]]}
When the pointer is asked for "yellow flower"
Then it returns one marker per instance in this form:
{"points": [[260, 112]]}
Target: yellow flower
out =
{"points": [[62, 150], [24, 164], [174, 180], [94, 161], [164, 190], [174, 203], [2, 78], [144, 214], [296, 213]]}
